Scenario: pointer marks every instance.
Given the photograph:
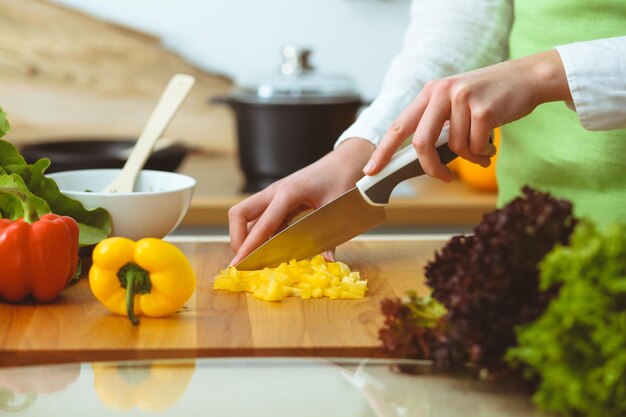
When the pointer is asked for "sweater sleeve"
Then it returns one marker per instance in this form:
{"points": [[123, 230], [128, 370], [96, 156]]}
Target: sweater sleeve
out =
{"points": [[596, 74], [443, 38]]}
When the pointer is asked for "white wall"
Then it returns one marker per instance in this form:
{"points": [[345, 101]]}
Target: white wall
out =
{"points": [[241, 38]]}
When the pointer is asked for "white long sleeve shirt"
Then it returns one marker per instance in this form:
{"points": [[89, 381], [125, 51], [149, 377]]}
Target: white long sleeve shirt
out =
{"points": [[453, 36]]}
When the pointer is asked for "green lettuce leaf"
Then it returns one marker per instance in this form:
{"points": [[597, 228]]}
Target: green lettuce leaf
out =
{"points": [[10, 206], [94, 225], [9, 156], [577, 348], [4, 123]]}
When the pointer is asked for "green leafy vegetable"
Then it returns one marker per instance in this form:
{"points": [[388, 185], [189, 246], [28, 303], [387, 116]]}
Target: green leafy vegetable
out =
{"points": [[577, 348], [489, 282], [94, 225], [516, 296], [407, 329], [10, 206], [4, 123]]}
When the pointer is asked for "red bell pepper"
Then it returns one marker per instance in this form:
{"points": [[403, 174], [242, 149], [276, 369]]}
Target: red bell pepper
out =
{"points": [[38, 256]]}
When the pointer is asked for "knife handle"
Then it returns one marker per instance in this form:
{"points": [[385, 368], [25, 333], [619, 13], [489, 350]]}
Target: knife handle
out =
{"points": [[376, 189]]}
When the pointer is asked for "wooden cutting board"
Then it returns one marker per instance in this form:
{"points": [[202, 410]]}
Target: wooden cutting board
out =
{"points": [[218, 323]]}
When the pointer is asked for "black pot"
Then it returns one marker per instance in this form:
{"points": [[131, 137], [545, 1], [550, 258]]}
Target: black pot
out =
{"points": [[278, 138], [288, 119]]}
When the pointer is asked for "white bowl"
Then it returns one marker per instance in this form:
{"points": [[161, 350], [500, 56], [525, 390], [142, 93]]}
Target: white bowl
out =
{"points": [[156, 207]]}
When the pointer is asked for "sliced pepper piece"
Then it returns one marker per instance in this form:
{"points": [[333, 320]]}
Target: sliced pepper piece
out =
{"points": [[150, 277]]}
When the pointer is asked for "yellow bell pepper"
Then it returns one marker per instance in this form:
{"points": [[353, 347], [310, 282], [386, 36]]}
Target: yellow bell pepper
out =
{"points": [[150, 277]]}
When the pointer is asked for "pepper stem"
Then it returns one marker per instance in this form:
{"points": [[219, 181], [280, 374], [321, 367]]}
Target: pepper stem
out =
{"points": [[30, 213], [135, 280]]}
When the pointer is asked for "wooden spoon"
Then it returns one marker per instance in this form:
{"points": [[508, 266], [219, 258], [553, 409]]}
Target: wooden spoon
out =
{"points": [[173, 96]]}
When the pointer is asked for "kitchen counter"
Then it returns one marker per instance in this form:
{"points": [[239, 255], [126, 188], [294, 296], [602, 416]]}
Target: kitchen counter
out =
{"points": [[419, 202]]}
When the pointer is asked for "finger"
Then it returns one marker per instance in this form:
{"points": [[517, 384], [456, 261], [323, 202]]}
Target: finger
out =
{"points": [[251, 226], [290, 217], [266, 226], [426, 135], [285, 222], [399, 131], [242, 216], [490, 147], [459, 133], [329, 255], [480, 132], [296, 212]]}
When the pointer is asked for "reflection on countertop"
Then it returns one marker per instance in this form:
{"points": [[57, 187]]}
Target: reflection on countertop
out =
{"points": [[254, 387]]}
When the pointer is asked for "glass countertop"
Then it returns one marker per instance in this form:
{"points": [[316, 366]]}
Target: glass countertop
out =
{"points": [[256, 387]]}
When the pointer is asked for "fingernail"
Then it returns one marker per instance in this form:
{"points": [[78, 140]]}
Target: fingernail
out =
{"points": [[233, 262], [368, 167]]}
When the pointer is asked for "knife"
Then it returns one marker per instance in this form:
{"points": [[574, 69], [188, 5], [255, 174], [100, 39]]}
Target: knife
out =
{"points": [[354, 212]]}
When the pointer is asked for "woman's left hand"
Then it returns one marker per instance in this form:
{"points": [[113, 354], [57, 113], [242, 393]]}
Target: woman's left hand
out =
{"points": [[474, 103]]}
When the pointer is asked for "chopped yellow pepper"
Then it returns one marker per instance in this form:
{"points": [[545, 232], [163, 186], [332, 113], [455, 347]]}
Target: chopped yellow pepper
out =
{"points": [[150, 277], [305, 279]]}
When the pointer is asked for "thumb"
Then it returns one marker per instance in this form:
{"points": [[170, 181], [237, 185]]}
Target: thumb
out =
{"points": [[329, 255]]}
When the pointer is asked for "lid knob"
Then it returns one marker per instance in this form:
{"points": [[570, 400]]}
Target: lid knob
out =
{"points": [[295, 60]]}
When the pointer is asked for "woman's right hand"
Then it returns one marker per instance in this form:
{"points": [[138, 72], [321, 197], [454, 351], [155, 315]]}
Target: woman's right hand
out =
{"points": [[474, 103], [258, 217]]}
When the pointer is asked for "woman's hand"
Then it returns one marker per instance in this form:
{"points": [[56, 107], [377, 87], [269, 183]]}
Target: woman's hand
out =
{"points": [[261, 215], [474, 103]]}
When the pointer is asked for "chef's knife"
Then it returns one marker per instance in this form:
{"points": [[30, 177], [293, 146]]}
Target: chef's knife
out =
{"points": [[347, 216]]}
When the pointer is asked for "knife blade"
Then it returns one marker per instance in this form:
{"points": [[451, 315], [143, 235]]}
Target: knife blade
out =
{"points": [[354, 212]]}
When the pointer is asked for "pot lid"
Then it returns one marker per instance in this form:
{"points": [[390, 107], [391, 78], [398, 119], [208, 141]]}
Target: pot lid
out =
{"points": [[297, 79]]}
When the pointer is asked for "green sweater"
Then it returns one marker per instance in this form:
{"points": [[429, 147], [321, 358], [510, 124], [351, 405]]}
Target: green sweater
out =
{"points": [[549, 149]]}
